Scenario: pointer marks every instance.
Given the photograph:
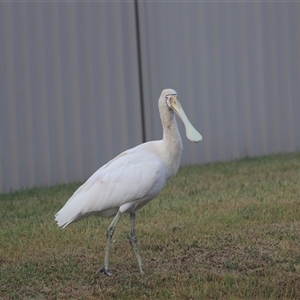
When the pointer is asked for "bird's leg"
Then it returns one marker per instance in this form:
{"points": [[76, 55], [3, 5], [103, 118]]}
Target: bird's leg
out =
{"points": [[110, 233], [133, 240]]}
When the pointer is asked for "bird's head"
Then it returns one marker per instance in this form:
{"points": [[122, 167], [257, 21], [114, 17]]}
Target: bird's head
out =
{"points": [[170, 99]]}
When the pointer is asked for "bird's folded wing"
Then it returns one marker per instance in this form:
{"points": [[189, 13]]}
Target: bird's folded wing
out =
{"points": [[127, 178]]}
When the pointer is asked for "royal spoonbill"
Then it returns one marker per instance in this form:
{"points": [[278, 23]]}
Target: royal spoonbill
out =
{"points": [[133, 178]]}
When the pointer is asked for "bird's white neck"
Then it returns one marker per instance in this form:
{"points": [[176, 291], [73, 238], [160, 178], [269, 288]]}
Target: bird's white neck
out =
{"points": [[170, 129], [172, 142]]}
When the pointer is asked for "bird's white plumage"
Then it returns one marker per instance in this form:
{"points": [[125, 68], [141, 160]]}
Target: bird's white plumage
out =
{"points": [[136, 176]]}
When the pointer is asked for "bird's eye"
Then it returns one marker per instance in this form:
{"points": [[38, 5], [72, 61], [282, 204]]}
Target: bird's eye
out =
{"points": [[167, 100]]}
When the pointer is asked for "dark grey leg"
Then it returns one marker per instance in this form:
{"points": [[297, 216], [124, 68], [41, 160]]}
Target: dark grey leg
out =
{"points": [[133, 240], [110, 233]]}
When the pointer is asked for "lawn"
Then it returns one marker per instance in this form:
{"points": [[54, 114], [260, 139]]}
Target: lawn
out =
{"points": [[218, 231]]}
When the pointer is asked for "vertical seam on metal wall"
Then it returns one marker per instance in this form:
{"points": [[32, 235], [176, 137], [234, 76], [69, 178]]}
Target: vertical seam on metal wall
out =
{"points": [[140, 71]]}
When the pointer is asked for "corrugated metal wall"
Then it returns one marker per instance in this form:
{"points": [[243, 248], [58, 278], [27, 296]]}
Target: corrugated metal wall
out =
{"points": [[73, 76], [236, 66], [70, 97]]}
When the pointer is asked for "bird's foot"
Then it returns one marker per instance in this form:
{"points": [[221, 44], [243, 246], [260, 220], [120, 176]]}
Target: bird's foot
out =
{"points": [[142, 271], [105, 271]]}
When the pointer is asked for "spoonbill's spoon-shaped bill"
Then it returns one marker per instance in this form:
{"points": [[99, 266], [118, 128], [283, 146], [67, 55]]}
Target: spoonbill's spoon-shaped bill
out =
{"points": [[132, 179], [191, 133]]}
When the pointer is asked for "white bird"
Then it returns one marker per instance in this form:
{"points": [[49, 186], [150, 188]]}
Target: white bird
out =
{"points": [[133, 178]]}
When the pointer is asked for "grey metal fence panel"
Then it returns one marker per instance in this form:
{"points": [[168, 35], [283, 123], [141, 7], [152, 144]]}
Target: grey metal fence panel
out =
{"points": [[70, 96], [236, 68], [69, 89]]}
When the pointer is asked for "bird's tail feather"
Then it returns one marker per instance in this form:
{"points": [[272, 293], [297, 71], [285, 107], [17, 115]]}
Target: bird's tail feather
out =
{"points": [[72, 211]]}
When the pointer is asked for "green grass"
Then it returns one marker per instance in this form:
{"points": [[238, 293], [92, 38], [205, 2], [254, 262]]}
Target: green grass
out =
{"points": [[217, 231]]}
